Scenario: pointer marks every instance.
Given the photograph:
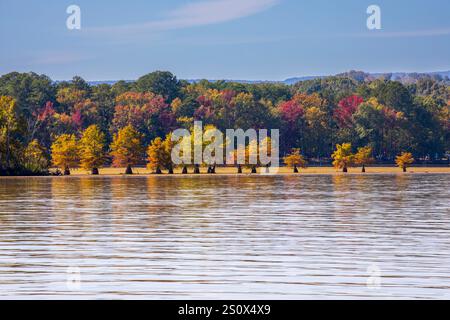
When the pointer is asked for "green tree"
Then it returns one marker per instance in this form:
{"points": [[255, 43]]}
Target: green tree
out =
{"points": [[31, 92], [163, 83], [35, 158], [104, 98]]}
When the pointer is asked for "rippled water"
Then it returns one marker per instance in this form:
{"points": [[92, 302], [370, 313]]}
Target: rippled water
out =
{"points": [[229, 237]]}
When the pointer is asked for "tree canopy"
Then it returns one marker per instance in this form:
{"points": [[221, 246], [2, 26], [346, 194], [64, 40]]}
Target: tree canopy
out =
{"points": [[312, 115]]}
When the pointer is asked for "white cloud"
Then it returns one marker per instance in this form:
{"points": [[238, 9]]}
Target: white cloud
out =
{"points": [[198, 13]]}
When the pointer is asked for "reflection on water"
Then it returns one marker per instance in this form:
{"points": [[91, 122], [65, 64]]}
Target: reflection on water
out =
{"points": [[280, 237]]}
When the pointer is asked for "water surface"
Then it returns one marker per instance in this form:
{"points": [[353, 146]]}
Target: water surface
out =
{"points": [[229, 237]]}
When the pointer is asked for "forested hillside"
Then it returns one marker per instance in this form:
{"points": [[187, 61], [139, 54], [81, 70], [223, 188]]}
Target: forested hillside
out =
{"points": [[312, 115]]}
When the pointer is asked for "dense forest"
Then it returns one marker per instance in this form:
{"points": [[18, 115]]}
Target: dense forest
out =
{"points": [[41, 118]]}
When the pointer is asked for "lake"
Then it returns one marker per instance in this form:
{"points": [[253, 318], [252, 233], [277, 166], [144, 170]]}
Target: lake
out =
{"points": [[227, 237]]}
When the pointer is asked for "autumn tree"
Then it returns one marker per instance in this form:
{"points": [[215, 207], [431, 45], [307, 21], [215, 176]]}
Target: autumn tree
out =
{"points": [[343, 156], [380, 126], [295, 160], [146, 112], [91, 149], [404, 160], [65, 152], [157, 156], [213, 145], [68, 97], [127, 149], [35, 158], [8, 125], [168, 146], [245, 112], [291, 113], [31, 92], [345, 110], [313, 115], [364, 157], [251, 155], [265, 150]]}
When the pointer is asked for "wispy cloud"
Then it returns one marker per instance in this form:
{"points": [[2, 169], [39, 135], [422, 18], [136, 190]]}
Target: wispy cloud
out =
{"points": [[195, 14]]}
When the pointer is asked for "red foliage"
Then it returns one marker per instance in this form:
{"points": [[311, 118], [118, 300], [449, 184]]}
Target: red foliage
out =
{"points": [[205, 111], [345, 110], [204, 101], [143, 111], [46, 112], [77, 120], [291, 111], [228, 95]]}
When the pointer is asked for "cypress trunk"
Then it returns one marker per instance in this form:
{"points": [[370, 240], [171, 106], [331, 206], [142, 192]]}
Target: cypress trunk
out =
{"points": [[94, 171], [295, 169], [158, 171], [239, 169], [213, 169], [170, 170], [363, 168], [185, 171], [129, 170], [253, 169], [404, 168], [196, 169], [66, 171], [345, 169]]}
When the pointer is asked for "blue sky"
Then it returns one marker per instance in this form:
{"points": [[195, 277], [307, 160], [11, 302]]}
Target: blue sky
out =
{"points": [[223, 39]]}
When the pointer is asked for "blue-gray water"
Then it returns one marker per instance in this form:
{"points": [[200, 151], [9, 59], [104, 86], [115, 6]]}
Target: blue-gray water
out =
{"points": [[229, 237]]}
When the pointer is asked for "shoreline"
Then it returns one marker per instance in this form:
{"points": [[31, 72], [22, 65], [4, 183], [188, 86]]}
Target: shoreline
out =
{"points": [[229, 171]]}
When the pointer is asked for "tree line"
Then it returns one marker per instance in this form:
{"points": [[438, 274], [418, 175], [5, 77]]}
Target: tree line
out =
{"points": [[72, 123]]}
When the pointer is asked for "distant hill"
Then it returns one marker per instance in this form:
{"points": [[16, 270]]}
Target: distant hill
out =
{"points": [[359, 76]]}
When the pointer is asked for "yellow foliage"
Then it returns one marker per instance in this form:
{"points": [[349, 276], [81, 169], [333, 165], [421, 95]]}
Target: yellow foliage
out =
{"points": [[343, 156], [91, 148], [295, 159], [404, 160], [8, 124], [157, 155], [127, 148], [35, 159], [364, 156], [65, 151]]}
